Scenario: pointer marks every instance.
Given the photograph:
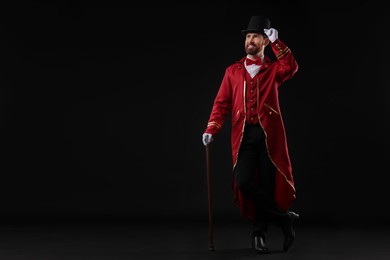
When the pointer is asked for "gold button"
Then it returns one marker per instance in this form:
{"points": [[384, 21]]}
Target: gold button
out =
{"points": [[270, 112], [251, 90]]}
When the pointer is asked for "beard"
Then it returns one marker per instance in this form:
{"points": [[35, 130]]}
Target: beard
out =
{"points": [[252, 50]]}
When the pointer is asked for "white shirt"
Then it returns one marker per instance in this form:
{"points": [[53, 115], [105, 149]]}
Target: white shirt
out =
{"points": [[253, 69]]}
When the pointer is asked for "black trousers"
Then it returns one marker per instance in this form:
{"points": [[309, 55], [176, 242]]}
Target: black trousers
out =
{"points": [[260, 188]]}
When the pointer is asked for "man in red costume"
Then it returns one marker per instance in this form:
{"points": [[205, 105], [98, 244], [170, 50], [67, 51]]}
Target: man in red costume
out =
{"points": [[263, 184]]}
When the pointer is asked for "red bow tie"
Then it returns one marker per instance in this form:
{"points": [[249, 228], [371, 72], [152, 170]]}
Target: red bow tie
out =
{"points": [[250, 62]]}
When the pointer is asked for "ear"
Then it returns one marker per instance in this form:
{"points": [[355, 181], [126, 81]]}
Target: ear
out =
{"points": [[266, 42]]}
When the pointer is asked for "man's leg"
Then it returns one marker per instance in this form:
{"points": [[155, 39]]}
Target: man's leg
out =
{"points": [[253, 157], [246, 180]]}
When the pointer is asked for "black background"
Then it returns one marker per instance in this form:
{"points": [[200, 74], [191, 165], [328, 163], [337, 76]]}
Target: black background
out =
{"points": [[103, 107]]}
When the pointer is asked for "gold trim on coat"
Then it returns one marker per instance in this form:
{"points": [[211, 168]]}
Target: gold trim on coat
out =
{"points": [[273, 110], [243, 125], [283, 52], [213, 123], [266, 137]]}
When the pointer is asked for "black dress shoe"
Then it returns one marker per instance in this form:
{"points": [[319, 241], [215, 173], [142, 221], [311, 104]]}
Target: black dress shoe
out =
{"points": [[258, 244], [289, 231]]}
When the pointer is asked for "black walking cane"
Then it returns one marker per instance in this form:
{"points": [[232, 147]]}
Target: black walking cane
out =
{"points": [[211, 231]]}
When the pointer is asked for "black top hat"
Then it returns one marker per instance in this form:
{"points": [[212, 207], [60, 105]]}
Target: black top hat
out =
{"points": [[257, 24]]}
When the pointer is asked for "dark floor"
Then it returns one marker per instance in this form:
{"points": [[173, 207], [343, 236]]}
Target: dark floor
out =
{"points": [[184, 240]]}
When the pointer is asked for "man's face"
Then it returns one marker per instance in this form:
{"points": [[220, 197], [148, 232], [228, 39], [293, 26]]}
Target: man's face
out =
{"points": [[254, 43]]}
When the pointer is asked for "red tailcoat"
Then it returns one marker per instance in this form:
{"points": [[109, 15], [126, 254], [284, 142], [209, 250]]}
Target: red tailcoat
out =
{"points": [[231, 99]]}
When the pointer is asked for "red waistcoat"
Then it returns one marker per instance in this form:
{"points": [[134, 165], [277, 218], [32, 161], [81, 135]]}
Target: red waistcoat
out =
{"points": [[231, 98], [251, 98]]}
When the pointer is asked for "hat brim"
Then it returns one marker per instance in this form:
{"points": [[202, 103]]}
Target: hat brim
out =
{"points": [[244, 32]]}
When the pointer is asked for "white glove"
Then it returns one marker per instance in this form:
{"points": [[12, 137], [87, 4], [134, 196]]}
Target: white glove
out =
{"points": [[271, 33], [207, 138]]}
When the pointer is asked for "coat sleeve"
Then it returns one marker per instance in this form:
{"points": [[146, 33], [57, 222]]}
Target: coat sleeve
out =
{"points": [[288, 66], [221, 107]]}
